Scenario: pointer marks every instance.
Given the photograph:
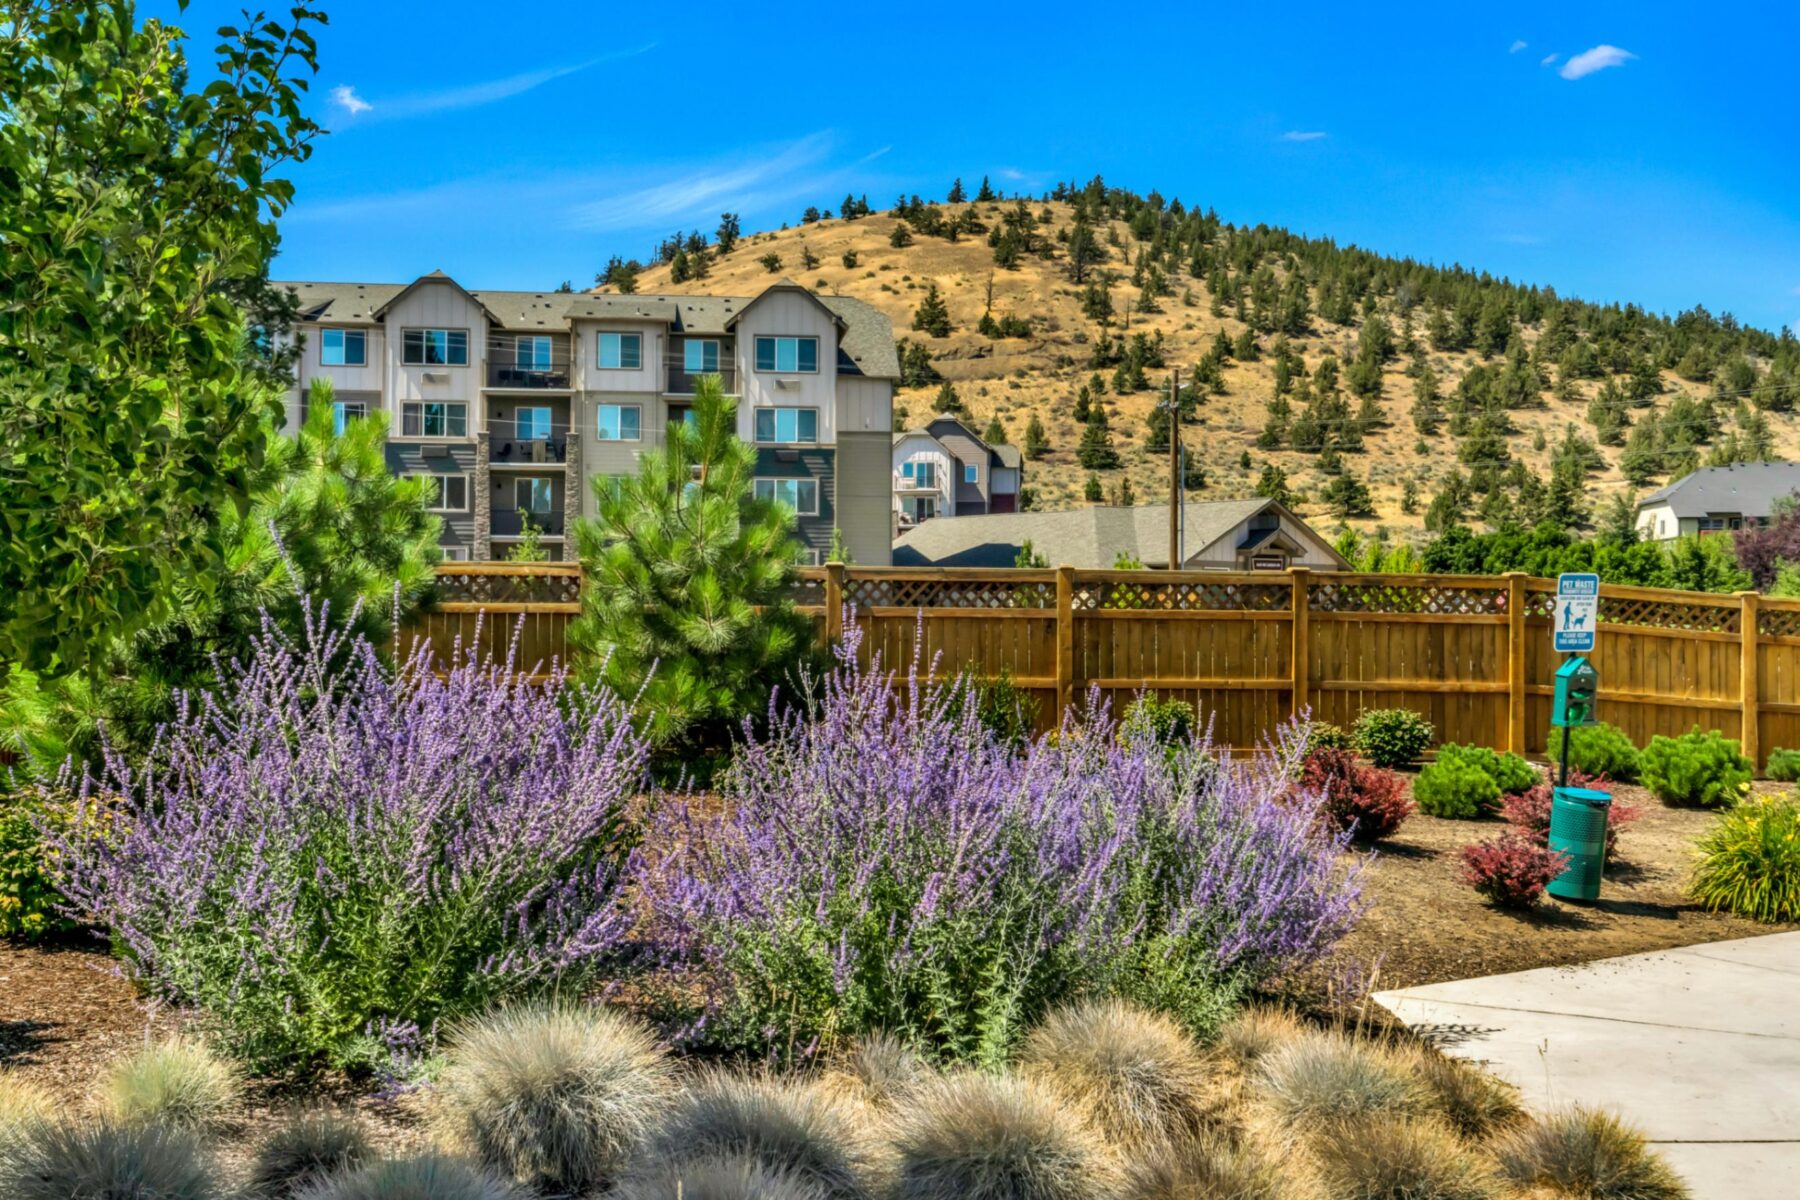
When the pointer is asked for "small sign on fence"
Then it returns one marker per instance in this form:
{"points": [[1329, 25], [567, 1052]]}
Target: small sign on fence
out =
{"points": [[1577, 613]]}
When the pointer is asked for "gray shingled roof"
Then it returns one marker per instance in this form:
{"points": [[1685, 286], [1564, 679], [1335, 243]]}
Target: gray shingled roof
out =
{"points": [[866, 348], [1076, 537], [1749, 489]]}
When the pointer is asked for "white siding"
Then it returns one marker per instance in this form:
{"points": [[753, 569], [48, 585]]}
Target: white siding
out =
{"points": [[1222, 554], [918, 448], [436, 306], [789, 314], [1660, 524], [864, 405]]}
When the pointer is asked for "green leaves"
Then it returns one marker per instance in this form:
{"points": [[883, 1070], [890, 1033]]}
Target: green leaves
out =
{"points": [[135, 236]]}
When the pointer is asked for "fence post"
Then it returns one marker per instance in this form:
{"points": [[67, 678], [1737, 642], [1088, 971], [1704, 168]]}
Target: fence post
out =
{"points": [[834, 603], [1750, 686], [1515, 661], [1065, 641], [1300, 668]]}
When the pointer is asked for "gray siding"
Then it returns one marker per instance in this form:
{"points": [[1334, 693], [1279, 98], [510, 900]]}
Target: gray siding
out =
{"points": [[865, 499], [813, 532], [442, 458]]}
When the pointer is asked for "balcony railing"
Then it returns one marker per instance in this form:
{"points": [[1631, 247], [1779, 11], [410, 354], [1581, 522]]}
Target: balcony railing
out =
{"points": [[681, 381], [510, 522], [525, 442], [526, 363]]}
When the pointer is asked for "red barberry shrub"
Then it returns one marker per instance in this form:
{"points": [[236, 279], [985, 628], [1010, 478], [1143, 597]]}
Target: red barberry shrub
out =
{"points": [[1511, 870], [1529, 811], [1367, 801]]}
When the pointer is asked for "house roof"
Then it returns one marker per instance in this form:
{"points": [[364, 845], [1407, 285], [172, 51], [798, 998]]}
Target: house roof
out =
{"points": [[1005, 454], [1749, 489], [1080, 537], [865, 345]]}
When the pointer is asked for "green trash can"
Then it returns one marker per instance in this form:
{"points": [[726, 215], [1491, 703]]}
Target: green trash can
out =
{"points": [[1578, 829]]}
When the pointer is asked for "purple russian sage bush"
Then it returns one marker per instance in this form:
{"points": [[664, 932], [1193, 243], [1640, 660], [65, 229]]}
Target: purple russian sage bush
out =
{"points": [[877, 860], [326, 853]]}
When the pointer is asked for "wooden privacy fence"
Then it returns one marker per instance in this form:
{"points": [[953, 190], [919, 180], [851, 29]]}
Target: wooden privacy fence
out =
{"points": [[1470, 653]]}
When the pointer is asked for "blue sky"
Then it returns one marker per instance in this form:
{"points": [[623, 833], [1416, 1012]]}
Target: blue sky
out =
{"points": [[1639, 152]]}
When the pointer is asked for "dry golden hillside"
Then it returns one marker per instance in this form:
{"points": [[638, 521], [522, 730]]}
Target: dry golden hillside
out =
{"points": [[1013, 378]]}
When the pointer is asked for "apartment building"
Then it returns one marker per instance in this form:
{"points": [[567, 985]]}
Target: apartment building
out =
{"points": [[945, 470], [511, 401]]}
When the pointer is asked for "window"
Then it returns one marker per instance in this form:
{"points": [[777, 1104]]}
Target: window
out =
{"points": [[971, 473], [444, 493], [621, 351], [796, 354], [683, 414], [425, 418], [533, 495], [455, 553], [801, 495], [619, 422], [919, 473], [700, 358], [532, 352], [345, 411], [435, 347], [343, 348], [531, 424], [787, 424]]}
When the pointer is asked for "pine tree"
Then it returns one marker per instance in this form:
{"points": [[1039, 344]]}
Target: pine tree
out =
{"points": [[1642, 460], [1036, 443], [771, 262], [902, 235], [1347, 496], [948, 401], [957, 195], [1428, 410], [730, 230], [688, 573], [1123, 495], [1096, 451], [1083, 404], [1272, 484], [995, 433], [1409, 497], [1091, 491], [932, 316], [986, 194]]}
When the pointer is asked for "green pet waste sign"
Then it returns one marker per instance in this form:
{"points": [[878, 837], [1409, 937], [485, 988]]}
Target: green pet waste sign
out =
{"points": [[1577, 613]]}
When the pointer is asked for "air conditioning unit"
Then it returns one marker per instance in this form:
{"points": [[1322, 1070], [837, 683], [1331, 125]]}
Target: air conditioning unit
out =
{"points": [[435, 377], [430, 450], [787, 384]]}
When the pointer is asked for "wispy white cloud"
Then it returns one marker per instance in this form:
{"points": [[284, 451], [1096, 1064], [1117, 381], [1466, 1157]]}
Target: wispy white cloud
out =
{"points": [[1597, 59], [1303, 135], [748, 182], [345, 97], [872, 155], [1548, 59], [473, 95], [1517, 46]]}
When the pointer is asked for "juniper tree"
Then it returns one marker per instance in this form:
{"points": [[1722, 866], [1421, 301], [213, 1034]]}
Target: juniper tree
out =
{"points": [[957, 195], [1096, 451], [1091, 491], [1272, 484], [986, 194], [771, 262], [932, 316], [901, 237], [995, 433], [730, 230], [947, 400], [1347, 496], [687, 577], [1036, 443]]}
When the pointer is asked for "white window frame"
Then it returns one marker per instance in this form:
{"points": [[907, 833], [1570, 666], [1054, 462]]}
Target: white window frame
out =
{"points": [[419, 410], [774, 488], [776, 412], [435, 499], [455, 553], [343, 411], [620, 339], [789, 340], [971, 473], [451, 338], [619, 423], [343, 337], [532, 482]]}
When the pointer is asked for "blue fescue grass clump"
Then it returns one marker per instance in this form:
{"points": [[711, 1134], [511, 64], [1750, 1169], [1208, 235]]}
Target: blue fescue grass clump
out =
{"points": [[878, 860], [329, 857]]}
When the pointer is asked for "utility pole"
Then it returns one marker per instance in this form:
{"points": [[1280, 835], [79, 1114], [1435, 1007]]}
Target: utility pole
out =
{"points": [[1175, 469]]}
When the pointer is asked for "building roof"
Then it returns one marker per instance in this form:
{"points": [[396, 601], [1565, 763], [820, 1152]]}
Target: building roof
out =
{"points": [[1749, 489], [1004, 454], [1078, 537], [865, 347]]}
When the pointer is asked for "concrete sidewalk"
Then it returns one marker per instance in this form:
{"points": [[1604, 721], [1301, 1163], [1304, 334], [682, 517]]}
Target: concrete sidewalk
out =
{"points": [[1698, 1047]]}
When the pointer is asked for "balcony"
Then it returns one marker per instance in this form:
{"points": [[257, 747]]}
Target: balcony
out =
{"points": [[681, 381], [526, 443], [510, 523], [528, 362]]}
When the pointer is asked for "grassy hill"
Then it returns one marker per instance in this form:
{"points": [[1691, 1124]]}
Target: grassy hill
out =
{"points": [[1517, 370]]}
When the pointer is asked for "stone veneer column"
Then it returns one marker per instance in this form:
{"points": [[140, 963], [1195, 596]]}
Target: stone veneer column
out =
{"points": [[483, 503], [572, 482]]}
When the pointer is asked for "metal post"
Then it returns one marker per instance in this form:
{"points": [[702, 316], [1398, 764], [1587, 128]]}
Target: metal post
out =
{"points": [[1175, 469]]}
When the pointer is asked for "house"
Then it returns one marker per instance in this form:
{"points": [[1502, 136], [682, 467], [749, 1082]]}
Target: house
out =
{"points": [[945, 470], [1715, 499], [511, 400], [1222, 535]]}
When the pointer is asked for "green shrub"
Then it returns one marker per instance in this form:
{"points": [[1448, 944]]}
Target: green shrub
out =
{"points": [[1750, 861], [1004, 709], [1323, 735], [177, 1082], [1166, 720], [30, 902], [1783, 765], [1392, 737], [1598, 750], [1510, 773], [1705, 769], [1457, 789], [554, 1095], [309, 1145]]}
